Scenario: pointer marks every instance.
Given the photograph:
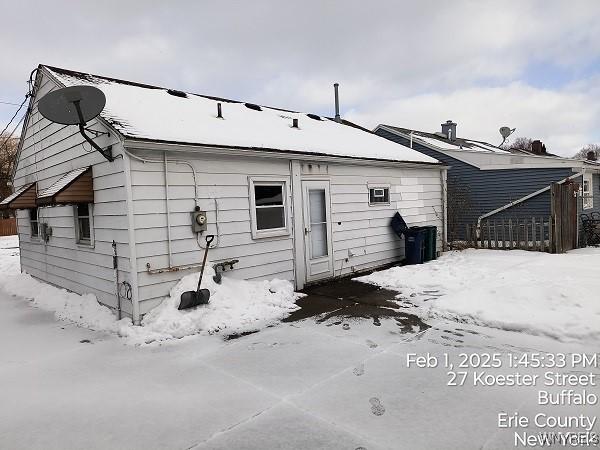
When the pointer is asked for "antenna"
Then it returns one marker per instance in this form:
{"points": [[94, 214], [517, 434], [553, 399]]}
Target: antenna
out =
{"points": [[505, 132], [75, 105]]}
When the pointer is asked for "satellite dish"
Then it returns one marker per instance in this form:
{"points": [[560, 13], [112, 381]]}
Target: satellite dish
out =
{"points": [[506, 132], [75, 105], [62, 106]]}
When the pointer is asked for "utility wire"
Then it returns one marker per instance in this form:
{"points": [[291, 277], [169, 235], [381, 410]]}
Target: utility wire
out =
{"points": [[13, 131], [9, 103], [15, 115]]}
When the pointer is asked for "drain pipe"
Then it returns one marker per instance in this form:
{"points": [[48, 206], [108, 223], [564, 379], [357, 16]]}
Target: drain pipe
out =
{"points": [[166, 164], [116, 272]]}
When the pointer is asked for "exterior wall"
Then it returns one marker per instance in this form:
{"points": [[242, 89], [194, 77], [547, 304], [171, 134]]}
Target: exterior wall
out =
{"points": [[48, 151], [491, 189], [223, 179], [364, 230]]}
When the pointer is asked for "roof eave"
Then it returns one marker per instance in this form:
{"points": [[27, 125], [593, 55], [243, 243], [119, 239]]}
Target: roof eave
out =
{"points": [[162, 145]]}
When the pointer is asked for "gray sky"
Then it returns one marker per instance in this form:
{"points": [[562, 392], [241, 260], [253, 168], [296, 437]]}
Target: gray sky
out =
{"points": [[533, 65]]}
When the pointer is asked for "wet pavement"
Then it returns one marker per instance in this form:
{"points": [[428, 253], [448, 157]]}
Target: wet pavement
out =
{"points": [[341, 302]]}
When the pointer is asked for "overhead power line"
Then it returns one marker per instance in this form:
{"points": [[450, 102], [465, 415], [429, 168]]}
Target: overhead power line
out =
{"points": [[9, 103], [14, 115]]}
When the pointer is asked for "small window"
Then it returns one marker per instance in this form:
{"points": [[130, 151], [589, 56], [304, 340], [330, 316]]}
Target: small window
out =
{"points": [[379, 195], [33, 220], [83, 224], [588, 192], [269, 211]]}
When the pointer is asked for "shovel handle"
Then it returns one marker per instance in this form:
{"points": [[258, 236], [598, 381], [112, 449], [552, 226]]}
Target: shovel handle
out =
{"points": [[209, 238]]}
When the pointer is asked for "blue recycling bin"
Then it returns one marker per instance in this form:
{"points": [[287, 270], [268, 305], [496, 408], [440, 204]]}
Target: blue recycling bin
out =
{"points": [[415, 245]]}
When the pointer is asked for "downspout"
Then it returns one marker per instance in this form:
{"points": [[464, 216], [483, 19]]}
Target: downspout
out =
{"points": [[521, 200], [166, 165], [444, 181]]}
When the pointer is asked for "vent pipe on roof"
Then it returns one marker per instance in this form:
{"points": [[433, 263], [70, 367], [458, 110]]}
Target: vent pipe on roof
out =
{"points": [[219, 111], [337, 102], [295, 123]]}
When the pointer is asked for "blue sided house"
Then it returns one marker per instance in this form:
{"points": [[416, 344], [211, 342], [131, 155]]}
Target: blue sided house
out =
{"points": [[485, 181]]}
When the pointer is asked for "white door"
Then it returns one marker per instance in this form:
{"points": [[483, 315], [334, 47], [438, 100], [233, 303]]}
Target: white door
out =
{"points": [[317, 230]]}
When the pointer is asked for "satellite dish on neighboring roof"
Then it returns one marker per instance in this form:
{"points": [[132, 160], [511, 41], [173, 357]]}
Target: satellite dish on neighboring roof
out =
{"points": [[62, 106], [75, 105], [506, 132]]}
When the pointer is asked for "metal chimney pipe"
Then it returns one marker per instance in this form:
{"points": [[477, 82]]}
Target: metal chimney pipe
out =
{"points": [[337, 102], [219, 111]]}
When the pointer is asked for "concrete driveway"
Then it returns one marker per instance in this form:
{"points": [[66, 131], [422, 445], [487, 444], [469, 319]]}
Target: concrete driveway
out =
{"points": [[333, 376]]}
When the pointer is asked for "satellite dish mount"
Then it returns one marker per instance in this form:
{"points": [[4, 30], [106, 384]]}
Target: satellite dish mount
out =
{"points": [[76, 105]]}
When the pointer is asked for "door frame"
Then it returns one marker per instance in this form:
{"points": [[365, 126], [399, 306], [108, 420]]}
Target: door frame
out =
{"points": [[306, 185]]}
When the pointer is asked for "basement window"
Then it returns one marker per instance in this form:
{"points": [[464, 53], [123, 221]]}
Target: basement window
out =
{"points": [[379, 196], [588, 191], [268, 207], [83, 223], [33, 221]]}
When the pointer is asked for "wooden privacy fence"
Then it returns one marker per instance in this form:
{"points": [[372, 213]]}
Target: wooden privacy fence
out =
{"points": [[535, 234], [8, 227]]}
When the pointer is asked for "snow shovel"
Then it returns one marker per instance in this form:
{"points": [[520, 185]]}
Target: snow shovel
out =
{"points": [[191, 299]]}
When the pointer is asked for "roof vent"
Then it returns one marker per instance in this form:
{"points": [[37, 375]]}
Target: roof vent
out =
{"points": [[314, 117], [253, 106], [219, 111], [295, 123], [177, 93]]}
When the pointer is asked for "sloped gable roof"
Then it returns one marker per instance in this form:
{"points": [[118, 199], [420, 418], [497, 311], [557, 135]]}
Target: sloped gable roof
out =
{"points": [[144, 112]]}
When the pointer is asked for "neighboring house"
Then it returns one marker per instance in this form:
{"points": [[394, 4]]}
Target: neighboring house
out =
{"points": [[290, 195], [483, 178]]}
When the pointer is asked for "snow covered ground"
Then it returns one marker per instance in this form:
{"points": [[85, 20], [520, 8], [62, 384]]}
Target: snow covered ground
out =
{"points": [[342, 383], [236, 306], [537, 293]]}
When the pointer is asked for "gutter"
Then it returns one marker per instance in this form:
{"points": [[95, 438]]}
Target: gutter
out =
{"points": [[159, 145], [522, 199]]}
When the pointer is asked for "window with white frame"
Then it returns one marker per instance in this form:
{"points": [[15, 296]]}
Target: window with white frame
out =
{"points": [[33, 221], [83, 223], [588, 191], [379, 195], [268, 206]]}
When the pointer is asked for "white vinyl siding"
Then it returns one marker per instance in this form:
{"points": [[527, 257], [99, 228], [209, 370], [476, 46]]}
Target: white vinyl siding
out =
{"points": [[49, 151]]}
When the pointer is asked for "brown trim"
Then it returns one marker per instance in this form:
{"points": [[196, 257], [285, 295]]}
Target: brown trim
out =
{"points": [[25, 200], [79, 190]]}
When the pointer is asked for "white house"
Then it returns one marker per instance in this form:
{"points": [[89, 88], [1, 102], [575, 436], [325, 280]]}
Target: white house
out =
{"points": [[289, 195]]}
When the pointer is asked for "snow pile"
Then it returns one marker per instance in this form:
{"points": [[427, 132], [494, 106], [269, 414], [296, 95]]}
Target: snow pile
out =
{"points": [[537, 293], [81, 309], [236, 306]]}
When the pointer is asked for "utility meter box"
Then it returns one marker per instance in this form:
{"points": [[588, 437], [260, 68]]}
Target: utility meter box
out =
{"points": [[199, 221]]}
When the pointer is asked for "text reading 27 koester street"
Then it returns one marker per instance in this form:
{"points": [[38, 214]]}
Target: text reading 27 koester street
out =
{"points": [[560, 380]]}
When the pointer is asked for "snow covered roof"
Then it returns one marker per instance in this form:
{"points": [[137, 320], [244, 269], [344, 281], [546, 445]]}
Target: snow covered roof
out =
{"points": [[440, 141], [140, 111], [61, 184], [6, 202]]}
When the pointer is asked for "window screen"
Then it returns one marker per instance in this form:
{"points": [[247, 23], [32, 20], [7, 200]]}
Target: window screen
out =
{"points": [[84, 231], [270, 207], [379, 195], [33, 220]]}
